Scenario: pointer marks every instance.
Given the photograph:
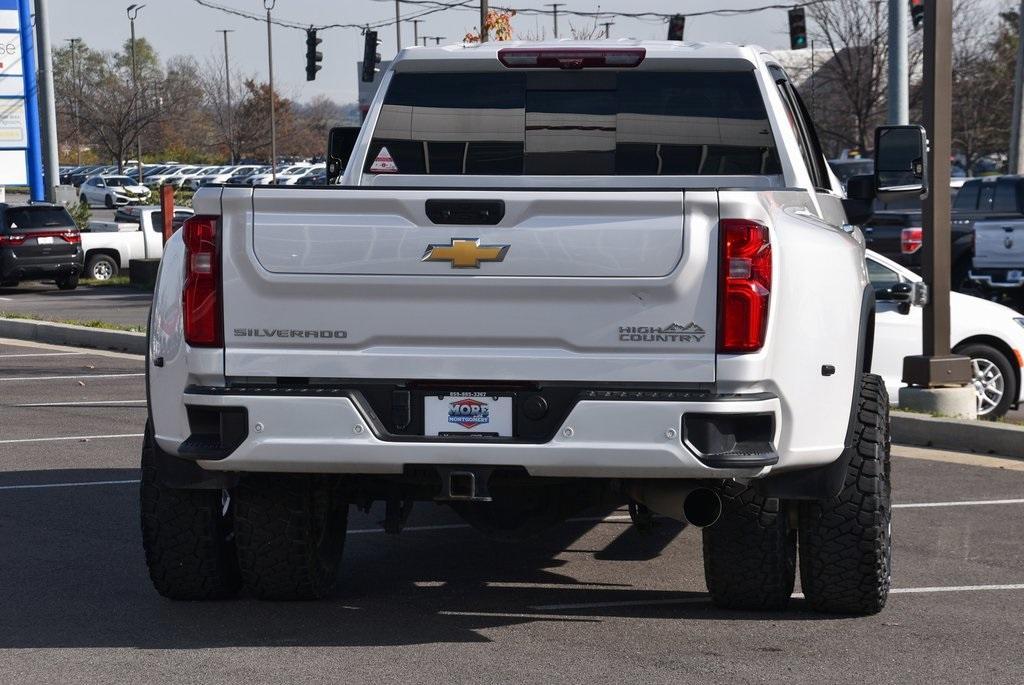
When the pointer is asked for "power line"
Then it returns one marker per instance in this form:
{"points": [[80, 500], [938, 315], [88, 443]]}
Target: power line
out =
{"points": [[434, 6]]}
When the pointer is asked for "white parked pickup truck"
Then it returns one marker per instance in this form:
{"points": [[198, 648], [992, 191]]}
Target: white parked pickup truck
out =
{"points": [[554, 275], [109, 246]]}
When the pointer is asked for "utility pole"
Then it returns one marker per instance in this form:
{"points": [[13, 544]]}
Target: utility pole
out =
{"points": [[133, 12], [227, 89], [899, 77], [554, 11], [607, 28], [1016, 139], [269, 5], [416, 31], [931, 374], [437, 39], [398, 26], [51, 159], [74, 79], [483, 20]]}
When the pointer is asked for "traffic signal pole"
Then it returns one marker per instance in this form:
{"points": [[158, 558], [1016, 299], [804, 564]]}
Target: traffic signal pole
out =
{"points": [[938, 380]]}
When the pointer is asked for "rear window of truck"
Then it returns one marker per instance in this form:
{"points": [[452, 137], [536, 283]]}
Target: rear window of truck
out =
{"points": [[579, 124]]}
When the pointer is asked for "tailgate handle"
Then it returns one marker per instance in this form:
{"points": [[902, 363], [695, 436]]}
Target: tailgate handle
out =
{"points": [[466, 212]]}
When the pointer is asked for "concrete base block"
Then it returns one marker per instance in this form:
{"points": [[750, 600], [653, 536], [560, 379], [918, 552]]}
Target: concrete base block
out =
{"points": [[142, 272], [957, 403]]}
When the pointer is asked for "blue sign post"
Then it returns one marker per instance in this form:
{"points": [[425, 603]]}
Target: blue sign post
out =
{"points": [[20, 151]]}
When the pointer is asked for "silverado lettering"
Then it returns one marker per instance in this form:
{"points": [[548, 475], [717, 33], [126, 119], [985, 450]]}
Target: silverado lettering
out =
{"points": [[287, 333]]}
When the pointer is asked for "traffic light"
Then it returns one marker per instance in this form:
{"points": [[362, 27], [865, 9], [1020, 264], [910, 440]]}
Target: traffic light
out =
{"points": [[313, 56], [676, 26], [917, 13], [797, 29], [370, 56]]}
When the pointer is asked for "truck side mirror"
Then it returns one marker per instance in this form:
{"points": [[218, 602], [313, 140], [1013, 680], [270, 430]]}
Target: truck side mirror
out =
{"points": [[341, 140], [901, 159], [860, 198]]}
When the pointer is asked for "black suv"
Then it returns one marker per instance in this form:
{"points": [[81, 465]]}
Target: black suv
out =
{"points": [[39, 241]]}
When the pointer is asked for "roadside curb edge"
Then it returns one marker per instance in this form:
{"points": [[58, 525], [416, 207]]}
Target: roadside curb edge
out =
{"points": [[68, 334], [960, 435]]}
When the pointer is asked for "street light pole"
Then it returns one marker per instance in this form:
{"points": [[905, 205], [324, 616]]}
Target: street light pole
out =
{"points": [[934, 374], [51, 165], [74, 79], [269, 5], [607, 28], [899, 81], [483, 20], [416, 31], [133, 12], [227, 86], [398, 26]]}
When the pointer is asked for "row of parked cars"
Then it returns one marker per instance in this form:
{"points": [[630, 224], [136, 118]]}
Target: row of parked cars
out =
{"points": [[105, 185]]}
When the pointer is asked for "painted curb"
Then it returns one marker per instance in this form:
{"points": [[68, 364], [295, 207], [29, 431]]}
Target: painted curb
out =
{"points": [[960, 435], [78, 336]]}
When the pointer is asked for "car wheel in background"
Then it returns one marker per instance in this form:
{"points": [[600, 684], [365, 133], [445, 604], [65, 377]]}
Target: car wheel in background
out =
{"points": [[108, 201], [994, 381], [84, 200], [101, 267], [68, 282]]}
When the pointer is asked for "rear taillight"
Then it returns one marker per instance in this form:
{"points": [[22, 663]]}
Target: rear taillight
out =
{"points": [[745, 284], [12, 240], [571, 58], [201, 296], [73, 237], [910, 240]]}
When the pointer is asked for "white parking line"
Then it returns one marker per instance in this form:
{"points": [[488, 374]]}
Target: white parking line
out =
{"points": [[796, 595], [75, 404], [72, 437], [68, 378], [41, 354], [41, 486], [971, 503]]}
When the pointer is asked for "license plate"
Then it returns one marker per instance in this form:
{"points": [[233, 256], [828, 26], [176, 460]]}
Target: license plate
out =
{"points": [[45, 240], [462, 413]]}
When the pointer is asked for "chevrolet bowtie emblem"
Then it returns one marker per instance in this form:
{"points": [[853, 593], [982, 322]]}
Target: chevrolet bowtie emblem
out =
{"points": [[465, 253]]}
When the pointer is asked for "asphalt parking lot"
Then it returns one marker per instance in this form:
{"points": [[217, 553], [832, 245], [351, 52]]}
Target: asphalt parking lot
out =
{"points": [[590, 601], [112, 304]]}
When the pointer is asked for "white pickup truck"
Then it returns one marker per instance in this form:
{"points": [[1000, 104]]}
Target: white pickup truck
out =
{"points": [[109, 246], [554, 275]]}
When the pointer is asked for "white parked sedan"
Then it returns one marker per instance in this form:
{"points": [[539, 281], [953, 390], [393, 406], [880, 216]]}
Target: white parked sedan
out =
{"points": [[990, 334], [113, 191]]}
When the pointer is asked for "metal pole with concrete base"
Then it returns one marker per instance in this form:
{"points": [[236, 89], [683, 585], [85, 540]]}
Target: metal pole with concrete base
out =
{"points": [[939, 382]]}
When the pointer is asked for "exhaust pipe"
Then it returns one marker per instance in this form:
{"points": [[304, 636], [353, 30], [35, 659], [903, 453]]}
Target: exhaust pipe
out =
{"points": [[702, 507], [681, 500]]}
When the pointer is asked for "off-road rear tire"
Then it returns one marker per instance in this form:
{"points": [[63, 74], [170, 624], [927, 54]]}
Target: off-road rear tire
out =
{"points": [[750, 553], [187, 536], [845, 544], [290, 533]]}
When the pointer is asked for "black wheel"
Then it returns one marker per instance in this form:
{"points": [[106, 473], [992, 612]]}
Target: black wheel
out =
{"points": [[187, 536], [68, 282], [108, 202], [994, 381], [845, 543], [290, 533], [84, 200], [101, 267], [750, 552]]}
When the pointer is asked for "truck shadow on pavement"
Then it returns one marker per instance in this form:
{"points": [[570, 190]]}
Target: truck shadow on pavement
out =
{"points": [[72, 575]]}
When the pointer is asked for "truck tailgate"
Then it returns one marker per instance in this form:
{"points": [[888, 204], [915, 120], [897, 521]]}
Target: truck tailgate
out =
{"points": [[526, 285], [999, 244]]}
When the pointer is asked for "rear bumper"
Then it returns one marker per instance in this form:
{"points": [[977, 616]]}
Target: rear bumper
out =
{"points": [[598, 439], [15, 267]]}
